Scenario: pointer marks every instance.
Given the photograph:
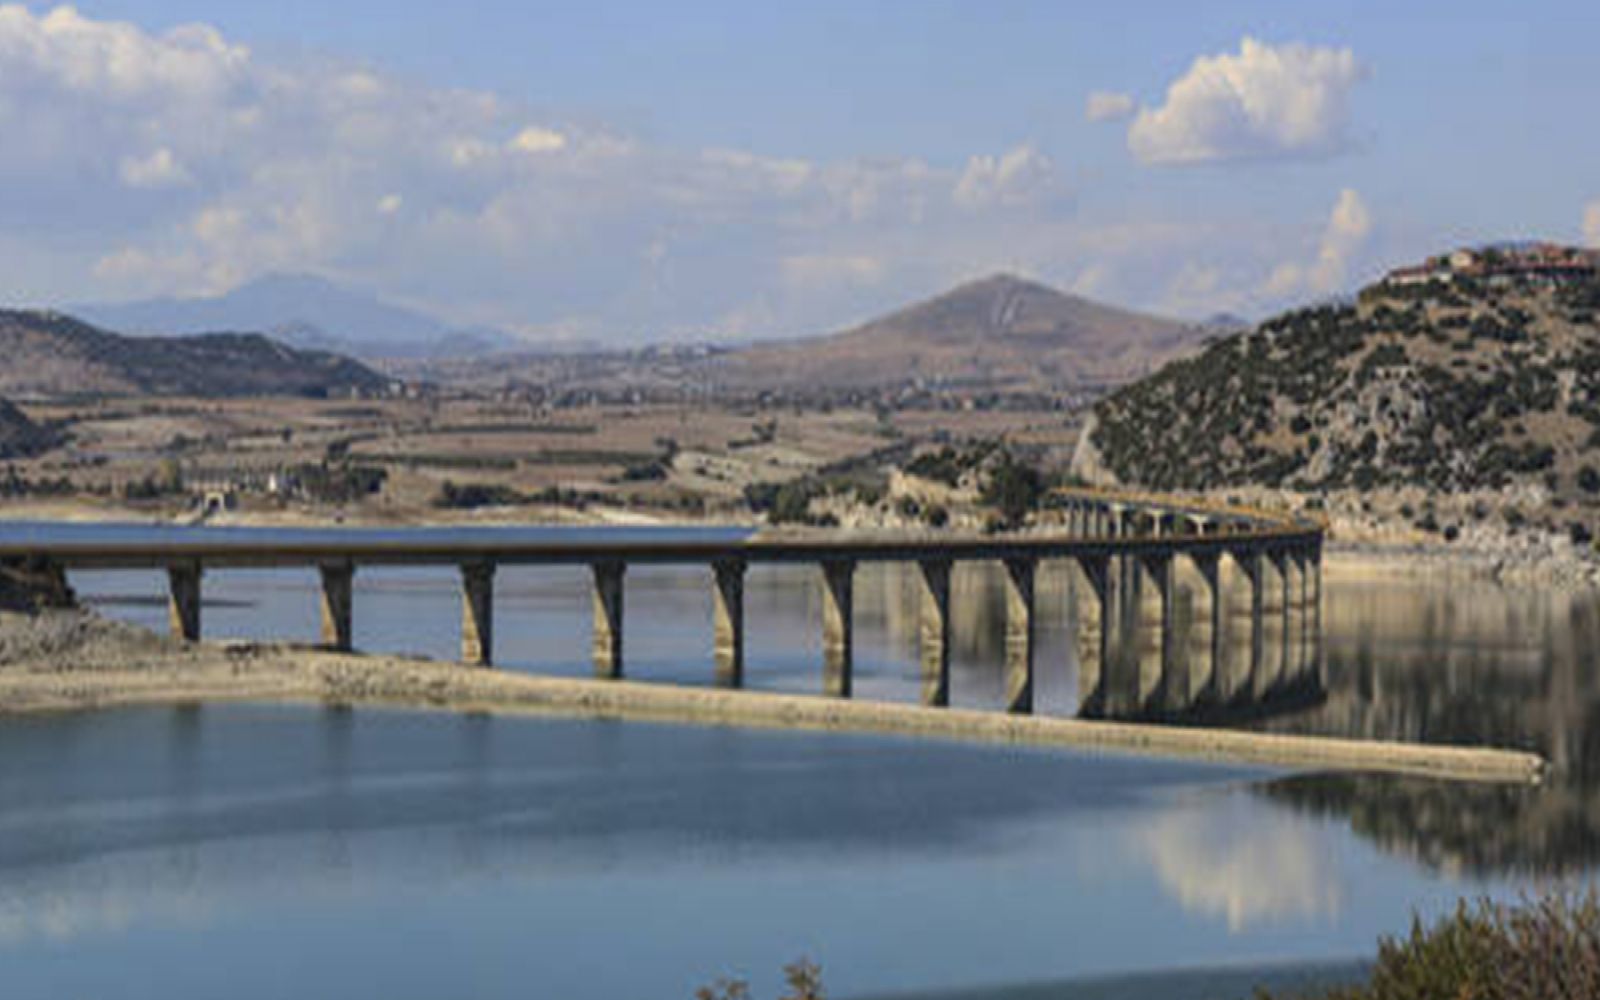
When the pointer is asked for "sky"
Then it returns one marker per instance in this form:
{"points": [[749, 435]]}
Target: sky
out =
{"points": [[631, 172]]}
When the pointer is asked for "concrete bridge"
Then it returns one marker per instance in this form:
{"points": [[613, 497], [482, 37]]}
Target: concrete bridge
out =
{"points": [[1129, 548]]}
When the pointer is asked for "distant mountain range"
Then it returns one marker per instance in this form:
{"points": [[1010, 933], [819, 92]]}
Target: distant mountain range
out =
{"points": [[1001, 332], [303, 311], [50, 354]]}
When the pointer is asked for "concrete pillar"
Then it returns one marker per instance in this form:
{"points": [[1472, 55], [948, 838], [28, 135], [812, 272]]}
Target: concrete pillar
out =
{"points": [[1212, 686], [477, 613], [1316, 615], [183, 599], [1019, 635], [838, 627], [1174, 689], [1284, 565], [337, 604], [1094, 666], [1303, 615], [607, 644], [728, 621], [1253, 566], [935, 631]]}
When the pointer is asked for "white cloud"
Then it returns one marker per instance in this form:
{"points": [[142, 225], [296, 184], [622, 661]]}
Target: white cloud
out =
{"points": [[535, 139], [812, 272], [348, 171], [1346, 234], [1019, 176], [157, 170], [1591, 223], [1108, 106], [1264, 101]]}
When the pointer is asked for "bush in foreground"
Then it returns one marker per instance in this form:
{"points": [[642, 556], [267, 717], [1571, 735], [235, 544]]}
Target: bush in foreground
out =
{"points": [[803, 980], [1544, 949]]}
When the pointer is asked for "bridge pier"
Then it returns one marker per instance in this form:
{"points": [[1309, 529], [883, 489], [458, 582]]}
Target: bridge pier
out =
{"points": [[1316, 614], [934, 631], [1173, 690], [607, 645], [727, 621], [1253, 565], [337, 604], [1094, 665], [1283, 565], [477, 613], [1211, 688], [183, 599], [838, 627], [1019, 578]]}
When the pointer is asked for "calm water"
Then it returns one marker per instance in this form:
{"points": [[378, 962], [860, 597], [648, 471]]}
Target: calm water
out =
{"points": [[272, 852]]}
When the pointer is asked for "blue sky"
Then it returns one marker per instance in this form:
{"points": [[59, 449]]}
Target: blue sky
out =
{"points": [[734, 170]]}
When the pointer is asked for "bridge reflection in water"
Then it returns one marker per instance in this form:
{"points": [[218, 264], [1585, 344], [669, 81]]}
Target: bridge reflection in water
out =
{"points": [[1180, 610]]}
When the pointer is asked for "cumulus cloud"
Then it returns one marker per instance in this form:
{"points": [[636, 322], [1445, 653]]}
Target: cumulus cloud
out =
{"points": [[502, 215], [535, 139], [1348, 229], [1263, 101], [1019, 176], [807, 272], [1591, 223], [490, 211], [159, 169], [1108, 106]]}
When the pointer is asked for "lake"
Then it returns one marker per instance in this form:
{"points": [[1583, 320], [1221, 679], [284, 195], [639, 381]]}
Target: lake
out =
{"points": [[263, 851]]}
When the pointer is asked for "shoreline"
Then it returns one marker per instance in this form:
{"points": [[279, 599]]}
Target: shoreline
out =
{"points": [[120, 666]]}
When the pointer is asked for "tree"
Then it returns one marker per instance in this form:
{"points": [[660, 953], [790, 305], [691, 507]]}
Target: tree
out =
{"points": [[1013, 489]]}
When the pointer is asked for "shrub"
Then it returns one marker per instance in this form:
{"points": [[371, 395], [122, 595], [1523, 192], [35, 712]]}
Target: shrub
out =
{"points": [[1014, 489], [1545, 949], [469, 496]]}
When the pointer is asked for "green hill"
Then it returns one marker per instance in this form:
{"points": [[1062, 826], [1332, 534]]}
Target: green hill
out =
{"points": [[1476, 375]]}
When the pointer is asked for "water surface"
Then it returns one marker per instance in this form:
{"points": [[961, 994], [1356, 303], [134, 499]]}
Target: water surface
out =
{"points": [[255, 850]]}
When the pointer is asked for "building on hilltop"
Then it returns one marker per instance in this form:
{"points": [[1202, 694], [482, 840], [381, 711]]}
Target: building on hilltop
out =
{"points": [[1548, 262]]}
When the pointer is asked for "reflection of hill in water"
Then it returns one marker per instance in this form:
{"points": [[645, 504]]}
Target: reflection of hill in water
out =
{"points": [[1482, 830], [1467, 662]]}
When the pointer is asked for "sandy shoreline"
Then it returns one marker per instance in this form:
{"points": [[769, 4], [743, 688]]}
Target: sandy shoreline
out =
{"points": [[71, 661]]}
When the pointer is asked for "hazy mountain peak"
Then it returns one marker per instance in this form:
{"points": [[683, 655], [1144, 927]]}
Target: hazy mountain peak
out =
{"points": [[998, 331], [305, 309]]}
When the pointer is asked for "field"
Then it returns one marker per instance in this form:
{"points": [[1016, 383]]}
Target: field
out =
{"points": [[446, 458]]}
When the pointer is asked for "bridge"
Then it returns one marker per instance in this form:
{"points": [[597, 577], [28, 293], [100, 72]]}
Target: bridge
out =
{"points": [[1129, 549]]}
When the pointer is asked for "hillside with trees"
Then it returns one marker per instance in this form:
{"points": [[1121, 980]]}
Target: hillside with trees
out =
{"points": [[1478, 375]]}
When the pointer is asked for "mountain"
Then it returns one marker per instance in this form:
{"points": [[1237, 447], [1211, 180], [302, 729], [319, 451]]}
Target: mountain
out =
{"points": [[304, 311], [47, 353], [1478, 370], [19, 436], [1002, 332]]}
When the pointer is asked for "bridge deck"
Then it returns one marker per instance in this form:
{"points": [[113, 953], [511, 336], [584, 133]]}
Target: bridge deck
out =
{"points": [[237, 551]]}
